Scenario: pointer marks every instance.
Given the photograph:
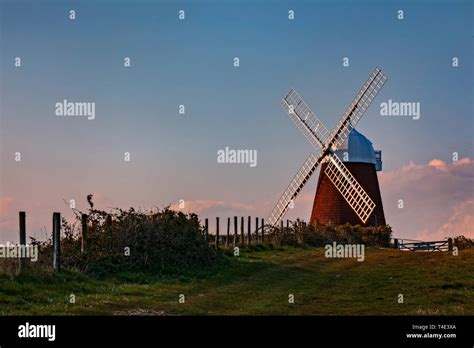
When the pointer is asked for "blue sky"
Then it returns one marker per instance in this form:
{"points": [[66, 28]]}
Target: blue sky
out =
{"points": [[190, 62]]}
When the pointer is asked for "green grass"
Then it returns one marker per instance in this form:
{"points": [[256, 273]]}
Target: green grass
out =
{"points": [[258, 283]]}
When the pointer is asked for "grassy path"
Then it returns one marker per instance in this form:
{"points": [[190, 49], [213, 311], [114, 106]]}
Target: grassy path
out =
{"points": [[258, 283]]}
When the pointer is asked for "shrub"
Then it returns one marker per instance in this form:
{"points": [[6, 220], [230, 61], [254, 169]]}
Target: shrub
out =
{"points": [[287, 237], [320, 235], [463, 242], [161, 242], [377, 235]]}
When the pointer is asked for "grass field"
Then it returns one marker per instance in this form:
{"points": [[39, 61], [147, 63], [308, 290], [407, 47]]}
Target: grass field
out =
{"points": [[259, 283]]}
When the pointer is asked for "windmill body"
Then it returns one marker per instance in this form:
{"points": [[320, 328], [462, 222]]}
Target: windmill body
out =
{"points": [[363, 162], [329, 144]]}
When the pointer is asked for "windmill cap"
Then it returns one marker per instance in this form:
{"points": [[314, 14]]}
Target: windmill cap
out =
{"points": [[358, 147]]}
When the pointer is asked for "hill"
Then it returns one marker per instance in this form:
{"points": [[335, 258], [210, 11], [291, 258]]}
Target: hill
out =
{"points": [[259, 282]]}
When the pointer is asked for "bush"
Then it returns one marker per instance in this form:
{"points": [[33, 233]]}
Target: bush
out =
{"points": [[462, 242], [377, 235], [320, 235], [287, 237], [161, 242]]}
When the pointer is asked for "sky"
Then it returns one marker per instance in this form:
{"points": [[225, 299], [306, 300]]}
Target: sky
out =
{"points": [[190, 62]]}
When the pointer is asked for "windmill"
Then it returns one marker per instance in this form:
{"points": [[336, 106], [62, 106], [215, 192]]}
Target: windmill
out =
{"points": [[327, 143]]}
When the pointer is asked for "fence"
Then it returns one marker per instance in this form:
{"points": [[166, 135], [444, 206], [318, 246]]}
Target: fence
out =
{"points": [[56, 240], [259, 234], [234, 236], [418, 245], [246, 235]]}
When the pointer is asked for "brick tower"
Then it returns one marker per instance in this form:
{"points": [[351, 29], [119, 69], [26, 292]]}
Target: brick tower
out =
{"points": [[363, 162]]}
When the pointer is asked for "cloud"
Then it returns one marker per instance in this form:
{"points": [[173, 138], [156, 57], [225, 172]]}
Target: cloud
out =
{"points": [[461, 222], [437, 199], [214, 208], [438, 164]]}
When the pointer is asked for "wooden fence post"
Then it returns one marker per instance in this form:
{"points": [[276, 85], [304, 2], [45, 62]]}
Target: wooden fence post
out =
{"points": [[57, 242], [263, 231], [228, 229], [242, 233], [298, 229], [287, 224], [249, 232], [395, 243], [450, 244], [235, 231], [22, 238], [256, 230], [206, 229], [281, 228], [217, 233], [84, 233]]}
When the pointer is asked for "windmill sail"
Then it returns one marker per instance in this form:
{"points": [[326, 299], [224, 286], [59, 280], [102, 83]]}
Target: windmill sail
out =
{"points": [[349, 188], [329, 142], [357, 108], [295, 186], [305, 119]]}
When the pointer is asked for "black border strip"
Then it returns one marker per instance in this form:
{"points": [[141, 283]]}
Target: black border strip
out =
{"points": [[240, 330]]}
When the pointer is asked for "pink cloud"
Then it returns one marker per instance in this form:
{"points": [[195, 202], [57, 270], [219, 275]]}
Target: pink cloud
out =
{"points": [[214, 207], [461, 222], [437, 199], [438, 164]]}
